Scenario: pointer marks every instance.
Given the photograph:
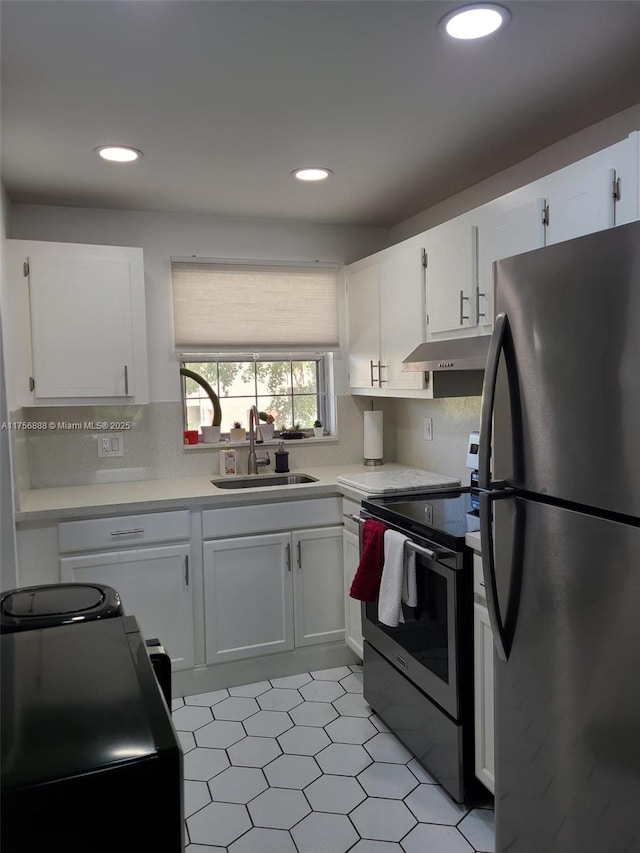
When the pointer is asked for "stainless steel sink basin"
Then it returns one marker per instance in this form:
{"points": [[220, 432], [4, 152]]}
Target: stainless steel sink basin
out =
{"points": [[259, 480]]}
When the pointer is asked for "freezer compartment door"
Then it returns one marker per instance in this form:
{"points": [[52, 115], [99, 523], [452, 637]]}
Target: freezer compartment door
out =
{"points": [[568, 698], [567, 411]]}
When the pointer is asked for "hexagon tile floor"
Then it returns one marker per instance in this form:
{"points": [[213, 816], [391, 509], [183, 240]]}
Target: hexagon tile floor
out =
{"points": [[303, 765]]}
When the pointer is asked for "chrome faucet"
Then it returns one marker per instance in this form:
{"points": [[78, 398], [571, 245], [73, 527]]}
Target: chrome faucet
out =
{"points": [[255, 437]]}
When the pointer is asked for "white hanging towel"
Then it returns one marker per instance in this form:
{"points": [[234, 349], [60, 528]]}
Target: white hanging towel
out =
{"points": [[409, 585], [393, 581]]}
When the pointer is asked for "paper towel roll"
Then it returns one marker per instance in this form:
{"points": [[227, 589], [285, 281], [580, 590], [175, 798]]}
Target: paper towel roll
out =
{"points": [[373, 438]]}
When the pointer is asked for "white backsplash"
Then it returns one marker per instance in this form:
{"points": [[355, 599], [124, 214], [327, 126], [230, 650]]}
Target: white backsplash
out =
{"points": [[153, 446], [453, 419], [154, 449]]}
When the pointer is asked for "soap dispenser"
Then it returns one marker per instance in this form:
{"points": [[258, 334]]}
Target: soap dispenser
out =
{"points": [[282, 459]]}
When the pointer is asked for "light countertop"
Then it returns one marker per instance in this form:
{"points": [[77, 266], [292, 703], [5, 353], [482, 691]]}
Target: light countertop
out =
{"points": [[473, 540], [177, 493]]}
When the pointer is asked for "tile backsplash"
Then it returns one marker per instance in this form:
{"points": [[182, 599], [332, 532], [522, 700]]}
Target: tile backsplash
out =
{"points": [[66, 455]]}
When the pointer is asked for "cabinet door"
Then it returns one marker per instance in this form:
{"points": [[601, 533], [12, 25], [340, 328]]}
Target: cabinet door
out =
{"points": [[363, 306], [87, 322], [484, 703], [352, 608], [452, 281], [515, 230], [318, 586], [402, 314], [581, 206], [154, 586], [248, 596]]}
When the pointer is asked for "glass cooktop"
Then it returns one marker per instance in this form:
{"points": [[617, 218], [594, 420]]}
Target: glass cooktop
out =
{"points": [[445, 517]]}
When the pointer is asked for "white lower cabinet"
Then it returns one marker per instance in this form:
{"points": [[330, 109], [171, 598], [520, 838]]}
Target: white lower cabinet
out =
{"points": [[352, 608], [248, 586], [268, 593], [317, 586], [483, 683], [155, 587]]}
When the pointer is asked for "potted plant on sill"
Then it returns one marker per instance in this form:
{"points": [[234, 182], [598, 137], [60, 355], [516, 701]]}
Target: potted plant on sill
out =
{"points": [[237, 433], [292, 432], [318, 429], [266, 428]]}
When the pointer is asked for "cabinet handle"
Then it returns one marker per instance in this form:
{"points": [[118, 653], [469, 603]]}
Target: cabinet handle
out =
{"points": [[373, 381], [380, 367], [463, 316], [479, 313], [127, 532], [126, 381], [186, 570], [288, 550], [299, 556]]}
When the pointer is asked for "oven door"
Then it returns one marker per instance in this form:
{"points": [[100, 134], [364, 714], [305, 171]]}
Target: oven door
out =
{"points": [[425, 646]]}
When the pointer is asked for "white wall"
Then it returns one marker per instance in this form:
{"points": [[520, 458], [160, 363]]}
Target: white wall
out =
{"points": [[163, 235]]}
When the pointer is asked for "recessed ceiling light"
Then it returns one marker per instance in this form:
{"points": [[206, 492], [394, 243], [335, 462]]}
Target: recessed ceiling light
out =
{"points": [[475, 22], [312, 173], [118, 154]]}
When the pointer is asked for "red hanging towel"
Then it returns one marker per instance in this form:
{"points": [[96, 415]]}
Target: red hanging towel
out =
{"points": [[366, 581]]}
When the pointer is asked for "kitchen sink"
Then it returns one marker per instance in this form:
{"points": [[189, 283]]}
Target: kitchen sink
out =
{"points": [[259, 480]]}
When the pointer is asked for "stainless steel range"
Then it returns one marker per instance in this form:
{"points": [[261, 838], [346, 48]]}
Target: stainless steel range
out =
{"points": [[418, 675]]}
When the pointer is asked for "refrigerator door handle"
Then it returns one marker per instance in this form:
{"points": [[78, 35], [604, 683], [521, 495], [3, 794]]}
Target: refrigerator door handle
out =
{"points": [[496, 346], [501, 638]]}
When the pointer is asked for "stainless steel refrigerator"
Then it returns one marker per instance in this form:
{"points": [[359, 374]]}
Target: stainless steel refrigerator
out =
{"points": [[560, 529]]}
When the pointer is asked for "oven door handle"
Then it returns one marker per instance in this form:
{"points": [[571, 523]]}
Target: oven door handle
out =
{"points": [[425, 552], [355, 518]]}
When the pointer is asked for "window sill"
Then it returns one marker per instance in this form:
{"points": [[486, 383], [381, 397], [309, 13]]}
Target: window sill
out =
{"points": [[274, 442]]}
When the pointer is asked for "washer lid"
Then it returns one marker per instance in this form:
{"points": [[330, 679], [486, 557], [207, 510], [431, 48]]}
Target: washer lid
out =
{"points": [[52, 600]]}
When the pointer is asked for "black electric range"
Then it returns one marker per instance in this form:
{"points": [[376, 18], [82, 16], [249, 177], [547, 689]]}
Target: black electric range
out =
{"points": [[444, 517]]}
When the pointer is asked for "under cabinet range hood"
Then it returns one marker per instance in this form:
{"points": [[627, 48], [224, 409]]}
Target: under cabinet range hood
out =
{"points": [[456, 367], [455, 354]]}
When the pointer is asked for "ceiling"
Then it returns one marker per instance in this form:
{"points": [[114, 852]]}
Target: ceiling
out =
{"points": [[226, 97]]}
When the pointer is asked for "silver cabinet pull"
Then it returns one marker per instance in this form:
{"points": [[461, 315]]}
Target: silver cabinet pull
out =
{"points": [[288, 557], [373, 381], [299, 555], [127, 532], [463, 298], [126, 380], [380, 368], [186, 570], [479, 313]]}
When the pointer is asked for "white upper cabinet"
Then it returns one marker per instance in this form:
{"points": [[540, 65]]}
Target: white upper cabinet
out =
{"points": [[595, 193], [82, 310], [506, 229], [386, 319], [402, 313], [452, 279], [363, 297], [581, 206]]}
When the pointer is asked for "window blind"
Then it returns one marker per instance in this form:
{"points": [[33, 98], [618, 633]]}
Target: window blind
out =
{"points": [[218, 305]]}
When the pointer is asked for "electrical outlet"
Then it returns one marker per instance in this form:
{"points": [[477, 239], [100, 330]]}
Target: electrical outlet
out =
{"points": [[110, 445], [428, 429]]}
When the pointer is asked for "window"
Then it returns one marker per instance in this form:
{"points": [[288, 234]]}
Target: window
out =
{"points": [[224, 311], [292, 389]]}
